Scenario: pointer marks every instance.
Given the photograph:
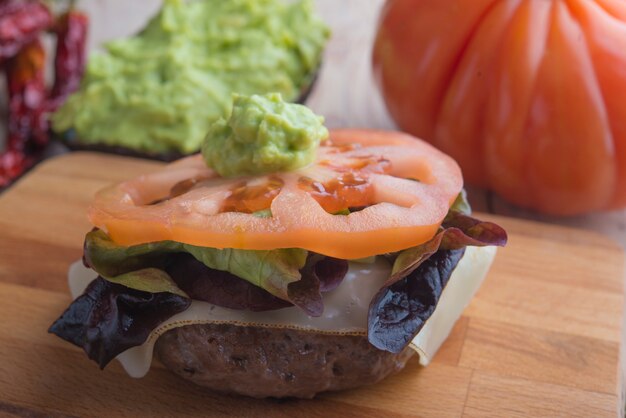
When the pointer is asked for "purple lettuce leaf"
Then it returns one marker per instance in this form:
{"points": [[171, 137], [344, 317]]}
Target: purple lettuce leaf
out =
{"points": [[279, 271], [398, 312], [410, 294], [457, 231], [220, 287], [320, 274], [109, 318]]}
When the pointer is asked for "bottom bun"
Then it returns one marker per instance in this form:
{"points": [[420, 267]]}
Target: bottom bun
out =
{"points": [[269, 362]]}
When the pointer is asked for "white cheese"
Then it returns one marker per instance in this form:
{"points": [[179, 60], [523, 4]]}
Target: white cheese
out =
{"points": [[345, 308]]}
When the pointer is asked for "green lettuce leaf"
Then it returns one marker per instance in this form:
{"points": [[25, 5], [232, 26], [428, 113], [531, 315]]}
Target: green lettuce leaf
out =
{"points": [[461, 204], [110, 260], [149, 280], [272, 270]]}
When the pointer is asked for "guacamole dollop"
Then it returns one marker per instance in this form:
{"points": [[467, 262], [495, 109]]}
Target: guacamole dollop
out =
{"points": [[263, 134], [160, 90]]}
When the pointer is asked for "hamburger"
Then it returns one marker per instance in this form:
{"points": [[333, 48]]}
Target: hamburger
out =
{"points": [[283, 261]]}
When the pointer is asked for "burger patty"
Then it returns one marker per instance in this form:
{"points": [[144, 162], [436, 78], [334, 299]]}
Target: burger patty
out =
{"points": [[267, 362]]}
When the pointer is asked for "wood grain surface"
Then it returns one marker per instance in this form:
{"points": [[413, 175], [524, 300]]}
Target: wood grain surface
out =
{"points": [[542, 337]]}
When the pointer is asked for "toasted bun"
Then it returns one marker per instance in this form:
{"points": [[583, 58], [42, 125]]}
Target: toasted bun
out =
{"points": [[264, 362]]}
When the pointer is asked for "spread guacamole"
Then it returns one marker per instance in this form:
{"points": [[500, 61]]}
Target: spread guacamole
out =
{"points": [[263, 134], [160, 90]]}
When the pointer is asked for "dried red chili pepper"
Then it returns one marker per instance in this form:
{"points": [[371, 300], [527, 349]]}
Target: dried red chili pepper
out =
{"points": [[69, 62], [20, 23], [12, 164], [27, 121], [29, 104], [27, 96]]}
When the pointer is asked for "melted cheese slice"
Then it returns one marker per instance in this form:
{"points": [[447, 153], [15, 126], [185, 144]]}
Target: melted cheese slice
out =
{"points": [[345, 308]]}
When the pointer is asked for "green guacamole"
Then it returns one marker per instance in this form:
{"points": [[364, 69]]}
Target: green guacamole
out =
{"points": [[263, 135], [160, 90]]}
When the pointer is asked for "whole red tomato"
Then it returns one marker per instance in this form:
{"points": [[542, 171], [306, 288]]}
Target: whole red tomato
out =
{"points": [[529, 96]]}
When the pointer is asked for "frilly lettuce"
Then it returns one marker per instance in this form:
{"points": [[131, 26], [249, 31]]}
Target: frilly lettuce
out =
{"points": [[419, 274], [109, 318], [273, 270]]}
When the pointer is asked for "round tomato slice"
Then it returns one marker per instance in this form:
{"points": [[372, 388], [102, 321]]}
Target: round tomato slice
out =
{"points": [[368, 193]]}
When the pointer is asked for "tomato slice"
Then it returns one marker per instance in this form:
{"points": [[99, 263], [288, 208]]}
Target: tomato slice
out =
{"points": [[398, 188]]}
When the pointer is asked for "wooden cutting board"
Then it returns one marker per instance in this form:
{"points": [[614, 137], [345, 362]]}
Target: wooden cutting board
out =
{"points": [[542, 337]]}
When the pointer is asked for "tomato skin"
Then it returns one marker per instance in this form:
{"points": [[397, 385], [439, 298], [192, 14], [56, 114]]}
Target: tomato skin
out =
{"points": [[400, 212], [526, 95]]}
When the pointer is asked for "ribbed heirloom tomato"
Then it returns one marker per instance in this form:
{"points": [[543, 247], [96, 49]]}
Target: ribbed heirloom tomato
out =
{"points": [[527, 95], [367, 193]]}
